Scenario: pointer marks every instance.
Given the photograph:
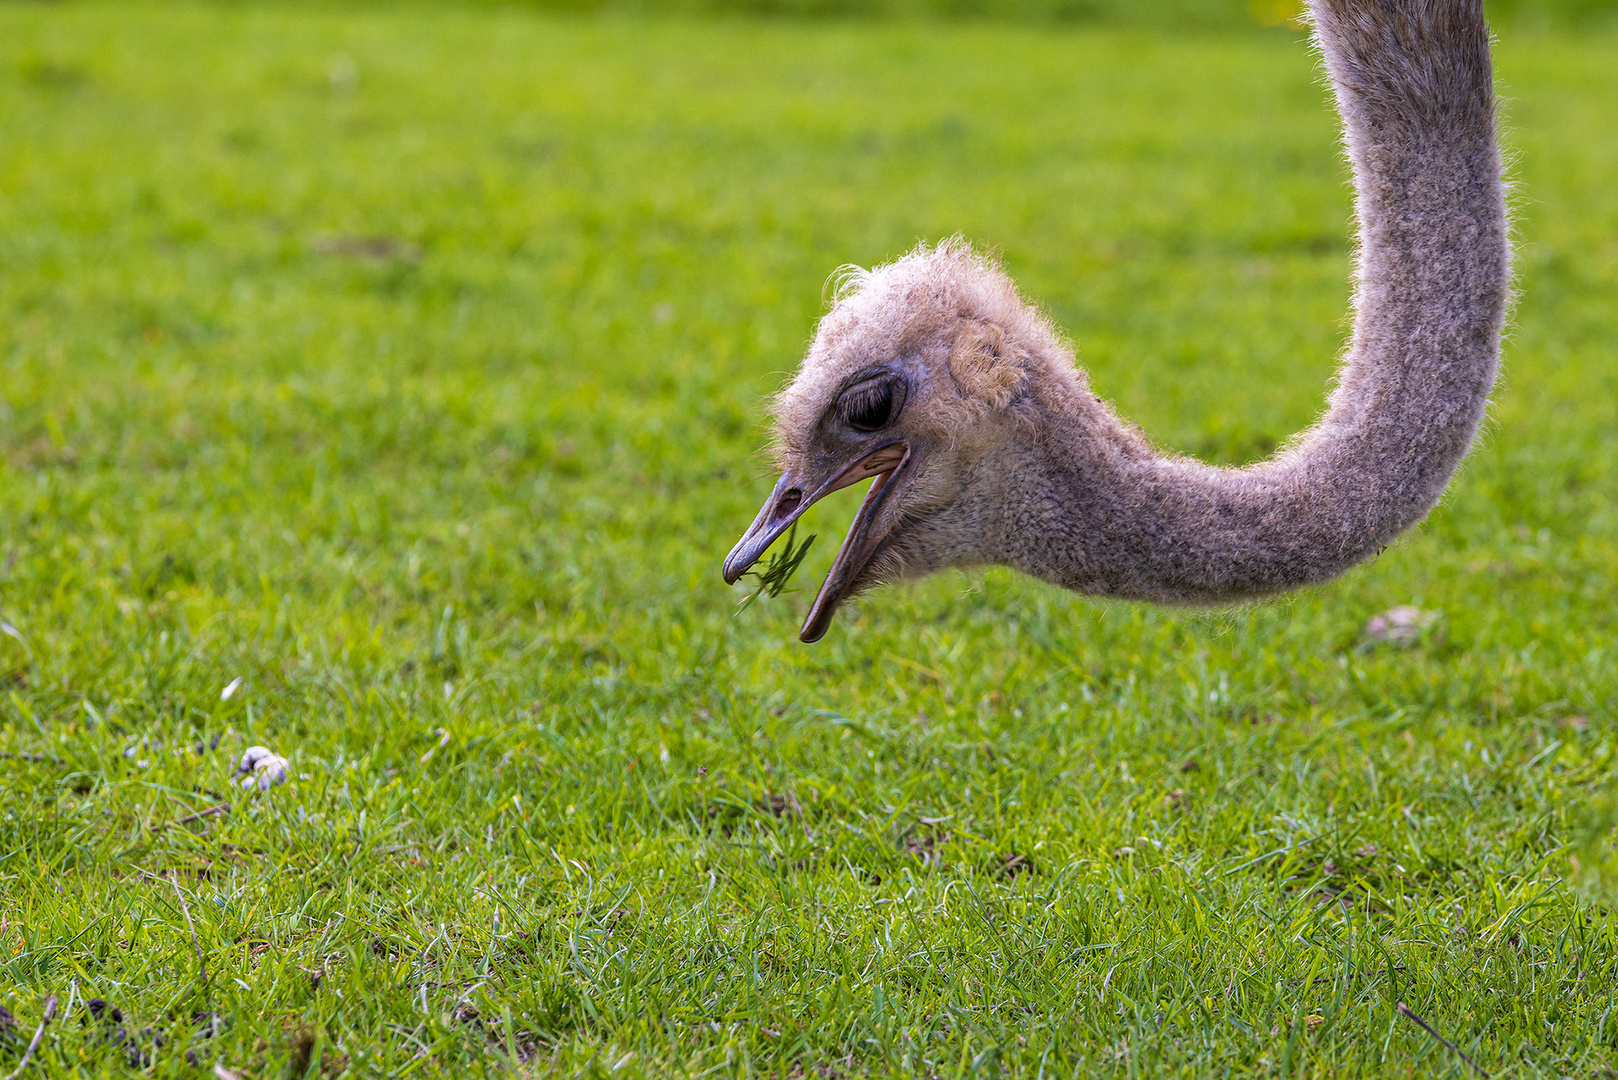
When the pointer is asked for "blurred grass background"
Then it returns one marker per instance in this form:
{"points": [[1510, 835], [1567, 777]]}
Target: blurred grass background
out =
{"points": [[1160, 15], [407, 363]]}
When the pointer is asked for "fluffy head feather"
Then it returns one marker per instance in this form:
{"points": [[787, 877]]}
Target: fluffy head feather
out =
{"points": [[954, 317]]}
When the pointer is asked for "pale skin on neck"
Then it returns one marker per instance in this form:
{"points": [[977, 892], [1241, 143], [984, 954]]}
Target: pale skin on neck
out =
{"points": [[1009, 459]]}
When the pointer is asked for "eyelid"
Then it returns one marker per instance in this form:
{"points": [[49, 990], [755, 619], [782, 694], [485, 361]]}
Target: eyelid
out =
{"points": [[865, 375]]}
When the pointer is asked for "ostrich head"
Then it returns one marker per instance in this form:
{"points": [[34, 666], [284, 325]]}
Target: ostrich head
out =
{"points": [[924, 375]]}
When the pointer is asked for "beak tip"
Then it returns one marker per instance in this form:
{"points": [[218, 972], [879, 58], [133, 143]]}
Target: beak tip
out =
{"points": [[816, 623], [736, 563]]}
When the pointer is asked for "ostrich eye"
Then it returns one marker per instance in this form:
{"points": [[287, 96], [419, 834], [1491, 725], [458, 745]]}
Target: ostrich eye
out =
{"points": [[871, 405]]}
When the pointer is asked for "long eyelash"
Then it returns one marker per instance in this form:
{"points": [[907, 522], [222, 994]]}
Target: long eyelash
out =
{"points": [[869, 406]]}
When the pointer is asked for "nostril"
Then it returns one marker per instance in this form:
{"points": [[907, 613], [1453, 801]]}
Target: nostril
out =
{"points": [[788, 502]]}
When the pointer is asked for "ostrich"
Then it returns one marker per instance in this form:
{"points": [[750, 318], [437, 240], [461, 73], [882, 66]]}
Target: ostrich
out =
{"points": [[933, 376]]}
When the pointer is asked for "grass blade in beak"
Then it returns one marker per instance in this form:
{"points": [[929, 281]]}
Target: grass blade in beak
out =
{"points": [[783, 564]]}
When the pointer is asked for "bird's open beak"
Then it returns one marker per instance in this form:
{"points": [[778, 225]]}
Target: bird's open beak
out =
{"points": [[793, 495]]}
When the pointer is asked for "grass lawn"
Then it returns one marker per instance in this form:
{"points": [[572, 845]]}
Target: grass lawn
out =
{"points": [[404, 370]]}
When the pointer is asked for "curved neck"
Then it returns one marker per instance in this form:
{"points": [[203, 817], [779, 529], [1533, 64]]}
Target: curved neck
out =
{"points": [[1414, 86]]}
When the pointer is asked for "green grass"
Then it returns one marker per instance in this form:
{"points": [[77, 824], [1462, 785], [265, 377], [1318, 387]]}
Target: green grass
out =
{"points": [[409, 366]]}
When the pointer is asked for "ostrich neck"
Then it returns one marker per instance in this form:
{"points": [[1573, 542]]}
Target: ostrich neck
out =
{"points": [[1413, 83]]}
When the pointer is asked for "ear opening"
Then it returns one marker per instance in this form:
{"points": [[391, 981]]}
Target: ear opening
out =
{"points": [[985, 365]]}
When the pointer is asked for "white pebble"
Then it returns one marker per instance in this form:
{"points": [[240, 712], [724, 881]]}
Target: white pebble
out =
{"points": [[263, 768], [1400, 625]]}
